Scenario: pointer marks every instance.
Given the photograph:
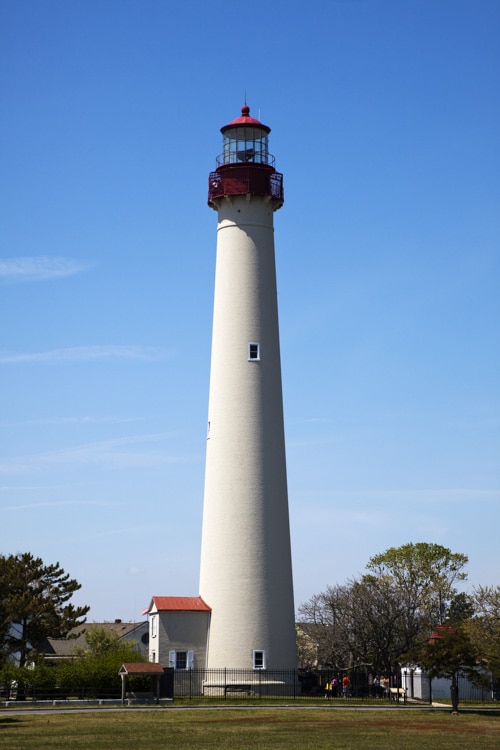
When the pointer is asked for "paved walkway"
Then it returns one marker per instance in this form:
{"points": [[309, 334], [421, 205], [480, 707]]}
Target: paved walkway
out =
{"points": [[89, 708]]}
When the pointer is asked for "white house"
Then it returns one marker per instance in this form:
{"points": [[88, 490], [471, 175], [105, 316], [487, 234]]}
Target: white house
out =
{"points": [[178, 631], [417, 684]]}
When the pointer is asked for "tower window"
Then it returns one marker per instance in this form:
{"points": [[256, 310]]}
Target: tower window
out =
{"points": [[253, 352], [259, 659]]}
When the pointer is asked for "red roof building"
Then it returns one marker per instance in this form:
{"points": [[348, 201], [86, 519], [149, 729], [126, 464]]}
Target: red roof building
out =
{"points": [[178, 631], [177, 604]]}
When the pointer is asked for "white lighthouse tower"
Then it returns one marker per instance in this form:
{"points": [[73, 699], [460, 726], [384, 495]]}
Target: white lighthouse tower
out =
{"points": [[246, 571]]}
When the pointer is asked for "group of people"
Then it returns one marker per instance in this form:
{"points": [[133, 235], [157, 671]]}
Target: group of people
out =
{"points": [[378, 685], [333, 686]]}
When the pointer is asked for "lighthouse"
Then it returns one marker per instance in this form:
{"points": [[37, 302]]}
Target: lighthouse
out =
{"points": [[246, 569]]}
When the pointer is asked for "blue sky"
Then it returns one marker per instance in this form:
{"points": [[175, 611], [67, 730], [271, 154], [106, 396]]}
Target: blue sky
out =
{"points": [[385, 122]]}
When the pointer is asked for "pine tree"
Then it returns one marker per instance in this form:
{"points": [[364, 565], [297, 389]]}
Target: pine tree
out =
{"points": [[34, 605]]}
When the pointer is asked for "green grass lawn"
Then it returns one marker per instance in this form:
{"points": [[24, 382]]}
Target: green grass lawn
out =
{"points": [[245, 729]]}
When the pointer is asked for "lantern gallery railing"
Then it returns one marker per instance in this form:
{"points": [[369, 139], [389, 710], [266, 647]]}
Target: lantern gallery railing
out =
{"points": [[242, 180]]}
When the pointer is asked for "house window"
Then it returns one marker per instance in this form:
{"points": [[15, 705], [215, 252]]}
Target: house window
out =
{"points": [[259, 659], [154, 624], [153, 656], [181, 659], [253, 352]]}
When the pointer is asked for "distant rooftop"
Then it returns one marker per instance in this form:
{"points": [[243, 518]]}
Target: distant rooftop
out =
{"points": [[63, 647]]}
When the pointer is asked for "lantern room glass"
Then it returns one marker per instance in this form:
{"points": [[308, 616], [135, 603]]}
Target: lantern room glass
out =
{"points": [[243, 145]]}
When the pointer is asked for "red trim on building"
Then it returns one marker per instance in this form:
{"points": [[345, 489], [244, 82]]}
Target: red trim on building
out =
{"points": [[180, 604], [245, 179], [245, 121]]}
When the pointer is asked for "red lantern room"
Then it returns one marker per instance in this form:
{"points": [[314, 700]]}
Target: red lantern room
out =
{"points": [[245, 166]]}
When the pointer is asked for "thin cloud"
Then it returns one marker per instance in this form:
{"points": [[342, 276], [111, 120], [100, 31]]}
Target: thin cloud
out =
{"points": [[131, 531], [309, 420], [64, 421], [429, 495], [39, 268], [419, 497], [55, 504], [119, 453], [86, 354]]}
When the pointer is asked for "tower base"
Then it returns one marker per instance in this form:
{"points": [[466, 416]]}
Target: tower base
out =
{"points": [[225, 683]]}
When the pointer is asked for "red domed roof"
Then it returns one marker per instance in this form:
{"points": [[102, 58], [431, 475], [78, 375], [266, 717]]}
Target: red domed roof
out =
{"points": [[245, 121]]}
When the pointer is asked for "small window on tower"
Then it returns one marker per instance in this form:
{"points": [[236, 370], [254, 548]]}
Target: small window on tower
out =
{"points": [[259, 659], [253, 352]]}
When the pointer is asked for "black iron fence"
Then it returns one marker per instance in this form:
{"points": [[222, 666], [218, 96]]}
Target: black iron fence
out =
{"points": [[316, 685], [267, 685]]}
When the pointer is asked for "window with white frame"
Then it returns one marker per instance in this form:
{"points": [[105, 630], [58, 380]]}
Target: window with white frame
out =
{"points": [[259, 659], [181, 659], [253, 352], [154, 625]]}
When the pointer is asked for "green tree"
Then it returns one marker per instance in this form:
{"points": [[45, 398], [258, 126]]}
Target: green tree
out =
{"points": [[103, 641], [359, 625], [484, 628], [307, 650], [425, 574], [370, 623], [324, 619], [4, 613], [450, 652], [35, 605], [379, 635], [94, 670]]}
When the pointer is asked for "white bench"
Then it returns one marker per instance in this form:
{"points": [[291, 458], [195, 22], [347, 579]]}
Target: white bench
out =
{"points": [[397, 694]]}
